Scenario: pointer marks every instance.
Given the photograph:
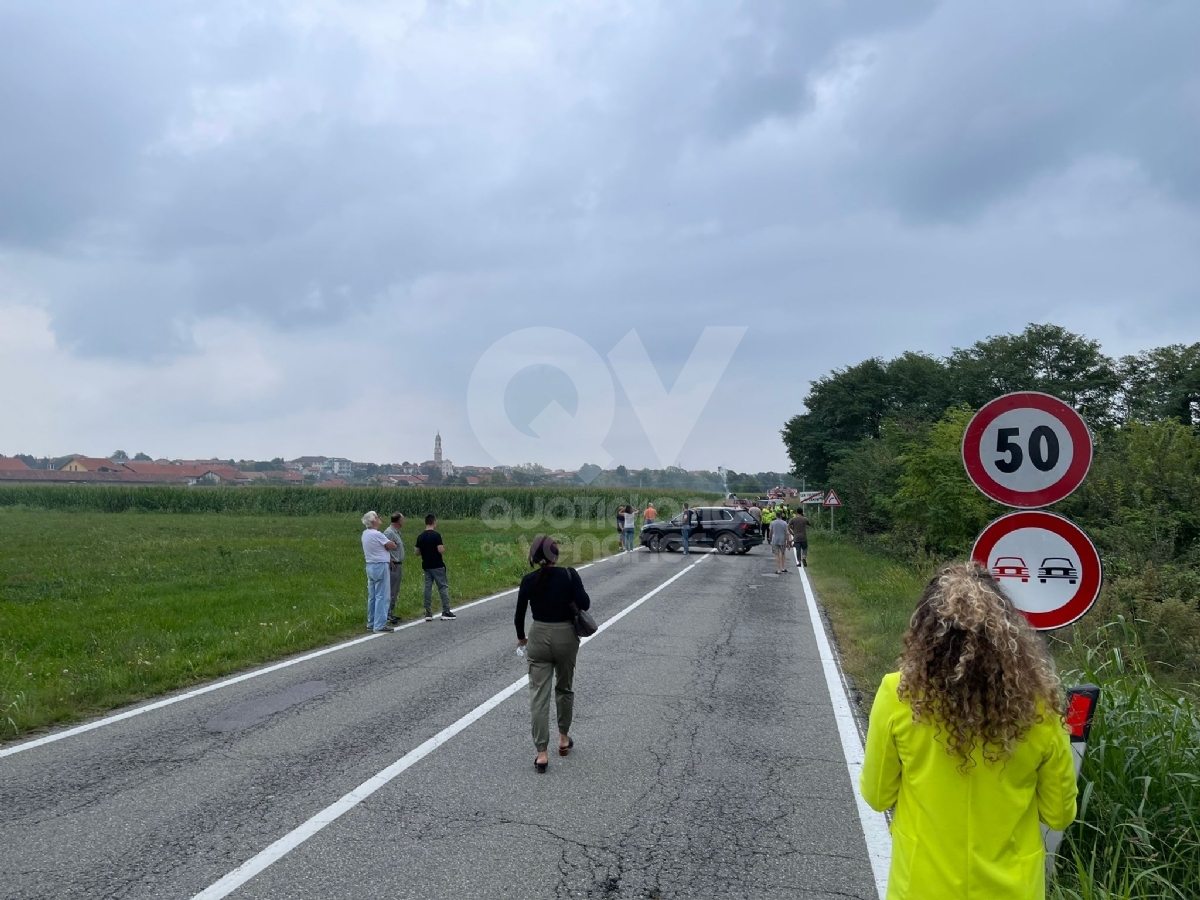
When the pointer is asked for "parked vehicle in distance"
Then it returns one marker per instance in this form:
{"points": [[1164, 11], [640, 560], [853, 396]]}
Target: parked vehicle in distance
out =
{"points": [[1010, 567], [1058, 567], [725, 529]]}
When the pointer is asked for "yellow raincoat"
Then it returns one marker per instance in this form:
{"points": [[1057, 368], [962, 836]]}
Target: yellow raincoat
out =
{"points": [[972, 835]]}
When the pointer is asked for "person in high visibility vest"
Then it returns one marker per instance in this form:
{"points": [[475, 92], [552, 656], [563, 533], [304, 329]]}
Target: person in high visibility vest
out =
{"points": [[967, 742], [768, 516]]}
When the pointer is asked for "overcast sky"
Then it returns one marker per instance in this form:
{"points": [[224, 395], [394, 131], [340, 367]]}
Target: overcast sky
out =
{"points": [[253, 229]]}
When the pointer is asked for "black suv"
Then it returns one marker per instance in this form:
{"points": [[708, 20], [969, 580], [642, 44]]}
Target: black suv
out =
{"points": [[728, 530]]}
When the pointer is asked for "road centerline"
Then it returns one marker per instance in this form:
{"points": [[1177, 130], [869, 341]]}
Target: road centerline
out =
{"points": [[316, 823]]}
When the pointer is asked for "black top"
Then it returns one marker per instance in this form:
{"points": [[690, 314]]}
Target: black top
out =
{"points": [[549, 593], [427, 545]]}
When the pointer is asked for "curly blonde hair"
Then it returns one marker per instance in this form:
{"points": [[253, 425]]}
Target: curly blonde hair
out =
{"points": [[973, 666]]}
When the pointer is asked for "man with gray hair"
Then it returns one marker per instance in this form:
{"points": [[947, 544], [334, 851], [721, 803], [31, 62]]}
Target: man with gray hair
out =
{"points": [[395, 565], [377, 550]]}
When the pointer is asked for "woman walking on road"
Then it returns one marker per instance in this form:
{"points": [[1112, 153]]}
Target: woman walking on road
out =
{"points": [[967, 742], [552, 594]]}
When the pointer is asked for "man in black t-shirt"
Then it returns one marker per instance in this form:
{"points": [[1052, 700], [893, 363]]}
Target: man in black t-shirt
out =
{"points": [[430, 548]]}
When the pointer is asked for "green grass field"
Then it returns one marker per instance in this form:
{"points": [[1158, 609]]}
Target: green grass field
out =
{"points": [[869, 599], [101, 609]]}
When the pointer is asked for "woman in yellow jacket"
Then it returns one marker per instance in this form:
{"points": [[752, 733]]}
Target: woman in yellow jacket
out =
{"points": [[967, 742]]}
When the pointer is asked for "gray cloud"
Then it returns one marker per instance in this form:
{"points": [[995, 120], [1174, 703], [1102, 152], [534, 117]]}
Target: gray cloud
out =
{"points": [[469, 168]]}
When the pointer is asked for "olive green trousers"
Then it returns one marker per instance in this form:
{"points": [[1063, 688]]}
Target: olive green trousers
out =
{"points": [[552, 650]]}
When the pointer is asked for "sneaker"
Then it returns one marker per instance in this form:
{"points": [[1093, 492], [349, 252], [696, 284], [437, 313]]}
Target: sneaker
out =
{"points": [[394, 620], [386, 629], [429, 618], [448, 615]]}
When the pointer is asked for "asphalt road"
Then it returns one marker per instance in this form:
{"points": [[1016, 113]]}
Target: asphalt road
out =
{"points": [[707, 765]]}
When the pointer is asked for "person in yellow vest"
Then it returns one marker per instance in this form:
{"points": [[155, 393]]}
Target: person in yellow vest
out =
{"points": [[768, 516], [967, 742]]}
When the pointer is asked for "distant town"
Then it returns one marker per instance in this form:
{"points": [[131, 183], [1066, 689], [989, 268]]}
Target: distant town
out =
{"points": [[331, 472]]}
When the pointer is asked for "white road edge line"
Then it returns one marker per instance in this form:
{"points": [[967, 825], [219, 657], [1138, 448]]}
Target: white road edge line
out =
{"points": [[228, 682], [334, 811], [215, 686], [874, 825]]}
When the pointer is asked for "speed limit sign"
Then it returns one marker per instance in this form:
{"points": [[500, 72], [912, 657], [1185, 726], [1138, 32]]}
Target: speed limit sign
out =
{"points": [[1027, 449]]}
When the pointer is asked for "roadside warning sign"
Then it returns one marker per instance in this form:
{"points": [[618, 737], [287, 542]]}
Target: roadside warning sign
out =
{"points": [[1045, 563], [832, 499], [1027, 449]]}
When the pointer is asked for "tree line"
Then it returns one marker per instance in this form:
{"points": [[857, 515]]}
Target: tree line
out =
{"points": [[887, 435]]}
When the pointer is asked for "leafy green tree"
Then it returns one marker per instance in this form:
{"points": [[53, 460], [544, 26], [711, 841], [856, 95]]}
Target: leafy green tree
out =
{"points": [[851, 404], [934, 493], [867, 476], [1141, 500], [843, 408], [142, 457], [1163, 383], [1045, 358], [119, 456]]}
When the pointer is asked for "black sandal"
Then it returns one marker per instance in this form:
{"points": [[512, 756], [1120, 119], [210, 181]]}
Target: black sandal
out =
{"points": [[541, 767], [563, 751]]}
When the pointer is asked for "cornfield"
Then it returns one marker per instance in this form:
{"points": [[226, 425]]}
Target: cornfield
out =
{"points": [[567, 503]]}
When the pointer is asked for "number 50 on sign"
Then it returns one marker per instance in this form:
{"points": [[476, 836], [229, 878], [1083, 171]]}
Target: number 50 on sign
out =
{"points": [[1027, 450]]}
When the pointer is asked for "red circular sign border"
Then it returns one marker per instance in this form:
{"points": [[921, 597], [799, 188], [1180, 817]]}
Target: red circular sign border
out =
{"points": [[1081, 436], [1090, 579]]}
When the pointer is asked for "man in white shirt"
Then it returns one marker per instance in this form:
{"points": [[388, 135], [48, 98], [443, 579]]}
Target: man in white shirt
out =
{"points": [[377, 550]]}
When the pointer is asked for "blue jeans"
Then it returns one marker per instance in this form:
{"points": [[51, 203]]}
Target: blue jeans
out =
{"points": [[628, 535], [685, 531], [377, 595], [437, 576]]}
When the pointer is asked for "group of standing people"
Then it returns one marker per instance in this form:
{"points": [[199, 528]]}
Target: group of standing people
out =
{"points": [[627, 524], [384, 553]]}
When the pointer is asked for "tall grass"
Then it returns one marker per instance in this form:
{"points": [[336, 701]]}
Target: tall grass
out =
{"points": [[564, 503], [1137, 836]]}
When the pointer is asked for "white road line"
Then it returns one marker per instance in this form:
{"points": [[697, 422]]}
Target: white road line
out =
{"points": [[228, 682], [874, 825], [215, 686], [334, 811]]}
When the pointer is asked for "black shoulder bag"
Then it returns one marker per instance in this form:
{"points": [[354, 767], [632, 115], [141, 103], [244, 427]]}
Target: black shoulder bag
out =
{"points": [[585, 625]]}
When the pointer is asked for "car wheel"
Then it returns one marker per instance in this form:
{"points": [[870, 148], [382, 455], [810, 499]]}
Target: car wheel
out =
{"points": [[671, 546], [655, 544], [726, 543]]}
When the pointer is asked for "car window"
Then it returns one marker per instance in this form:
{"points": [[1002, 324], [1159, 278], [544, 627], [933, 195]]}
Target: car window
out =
{"points": [[726, 515]]}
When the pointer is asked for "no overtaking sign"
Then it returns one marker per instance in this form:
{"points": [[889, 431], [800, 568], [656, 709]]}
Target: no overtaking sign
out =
{"points": [[1046, 564]]}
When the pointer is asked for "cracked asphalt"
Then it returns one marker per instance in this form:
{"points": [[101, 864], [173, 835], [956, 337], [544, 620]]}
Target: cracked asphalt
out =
{"points": [[707, 765]]}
